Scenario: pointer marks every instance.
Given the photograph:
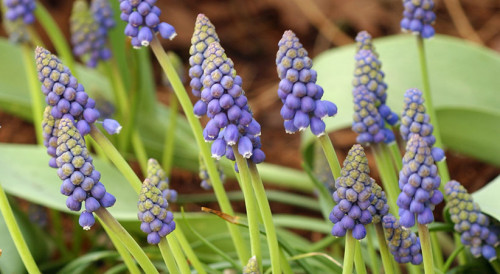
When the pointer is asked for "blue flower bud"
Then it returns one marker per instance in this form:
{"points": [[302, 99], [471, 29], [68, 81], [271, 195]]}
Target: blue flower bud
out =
{"points": [[298, 90], [86, 220], [403, 243], [418, 17], [111, 126]]}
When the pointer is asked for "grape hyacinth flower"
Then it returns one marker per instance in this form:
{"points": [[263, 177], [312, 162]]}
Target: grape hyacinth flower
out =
{"points": [[419, 183], [252, 266], [415, 121], [80, 179], [158, 178], [88, 38], [301, 96], [19, 14], [156, 220], [353, 196], [368, 73], [204, 34], [50, 126], [111, 126], [231, 120], [367, 122], [364, 42], [379, 207], [103, 15], [403, 243], [470, 222], [418, 17], [206, 183], [63, 92], [143, 22]]}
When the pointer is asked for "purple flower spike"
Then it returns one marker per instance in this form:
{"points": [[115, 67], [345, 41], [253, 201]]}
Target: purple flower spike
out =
{"points": [[418, 17], [19, 15], [143, 22], [420, 174], [403, 243], [75, 168], [158, 178], [103, 14], [470, 222], [298, 90], [153, 211], [88, 37], [353, 196]]}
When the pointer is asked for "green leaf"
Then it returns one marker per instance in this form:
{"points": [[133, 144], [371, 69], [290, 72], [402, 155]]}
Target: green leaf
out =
{"points": [[464, 92], [80, 264], [487, 198]]}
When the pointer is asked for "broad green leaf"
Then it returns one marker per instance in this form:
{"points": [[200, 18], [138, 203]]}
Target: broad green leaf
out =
{"points": [[464, 88], [487, 198]]}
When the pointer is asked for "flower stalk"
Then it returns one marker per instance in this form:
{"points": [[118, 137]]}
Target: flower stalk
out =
{"points": [[425, 241], [350, 245], [168, 256], [124, 254], [168, 149], [330, 155], [384, 251], [359, 262], [178, 254]]}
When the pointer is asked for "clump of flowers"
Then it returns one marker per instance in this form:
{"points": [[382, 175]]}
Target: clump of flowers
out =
{"points": [[403, 243], [204, 34], [158, 178], [367, 122], [301, 96], [80, 179], [156, 220], [252, 266], [364, 42], [470, 222], [415, 121], [206, 182], [418, 17], [50, 126], [379, 207], [231, 120], [63, 92], [87, 36], [143, 22], [103, 15], [419, 183], [353, 196], [19, 14]]}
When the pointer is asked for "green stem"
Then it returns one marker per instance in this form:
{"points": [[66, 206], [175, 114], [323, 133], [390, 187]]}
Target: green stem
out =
{"points": [[186, 105], [462, 258], [330, 155], [55, 35], [396, 155], [388, 177], [168, 149], [251, 206], [127, 240], [496, 265], [168, 257], [140, 151], [15, 233], [425, 242], [384, 251], [265, 213], [443, 168], [436, 250], [371, 250], [287, 268], [116, 158], [178, 254], [34, 87], [452, 257], [358, 259], [125, 255], [350, 244], [193, 259]]}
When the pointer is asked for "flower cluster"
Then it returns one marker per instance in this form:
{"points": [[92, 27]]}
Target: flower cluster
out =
{"points": [[414, 121], [204, 34], [252, 266], [379, 207], [367, 122], [49, 127], [364, 42], [231, 120], [419, 183], [418, 17], [206, 182], [158, 178], [103, 15], [353, 196], [87, 36], [368, 73], [156, 220], [470, 222], [403, 243], [301, 96], [80, 179], [63, 92], [143, 22], [19, 14]]}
